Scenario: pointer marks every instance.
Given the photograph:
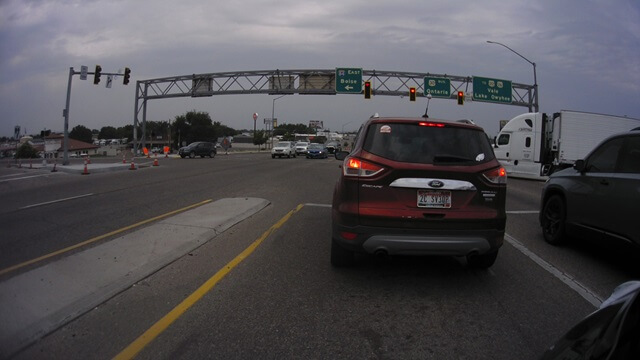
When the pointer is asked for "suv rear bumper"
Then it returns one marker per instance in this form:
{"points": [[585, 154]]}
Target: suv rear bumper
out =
{"points": [[419, 242]]}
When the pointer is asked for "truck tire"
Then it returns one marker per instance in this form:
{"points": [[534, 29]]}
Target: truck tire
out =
{"points": [[554, 213]]}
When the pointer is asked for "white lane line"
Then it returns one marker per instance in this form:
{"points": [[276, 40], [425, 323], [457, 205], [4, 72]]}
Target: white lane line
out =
{"points": [[318, 205], [11, 175], [24, 177], [523, 212], [55, 201], [582, 290]]}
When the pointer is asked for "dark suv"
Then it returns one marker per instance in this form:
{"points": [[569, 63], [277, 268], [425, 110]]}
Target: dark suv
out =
{"points": [[597, 199], [414, 186], [200, 148]]}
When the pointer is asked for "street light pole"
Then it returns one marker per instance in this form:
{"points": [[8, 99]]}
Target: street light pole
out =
{"points": [[535, 78], [273, 107]]}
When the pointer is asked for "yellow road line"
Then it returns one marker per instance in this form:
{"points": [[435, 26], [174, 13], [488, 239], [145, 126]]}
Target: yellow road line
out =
{"points": [[97, 238], [156, 329]]}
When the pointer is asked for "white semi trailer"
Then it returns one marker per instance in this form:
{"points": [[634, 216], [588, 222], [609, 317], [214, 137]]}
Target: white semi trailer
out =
{"points": [[534, 145]]}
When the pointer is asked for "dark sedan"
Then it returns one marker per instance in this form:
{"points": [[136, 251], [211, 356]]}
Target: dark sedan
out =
{"points": [[200, 148], [317, 151]]}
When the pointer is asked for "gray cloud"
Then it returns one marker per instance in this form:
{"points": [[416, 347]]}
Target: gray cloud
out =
{"points": [[587, 53]]}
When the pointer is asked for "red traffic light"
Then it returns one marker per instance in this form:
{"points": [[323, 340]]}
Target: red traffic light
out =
{"points": [[367, 89], [460, 97], [412, 94]]}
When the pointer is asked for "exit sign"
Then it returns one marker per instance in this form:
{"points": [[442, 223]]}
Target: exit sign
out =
{"points": [[348, 80]]}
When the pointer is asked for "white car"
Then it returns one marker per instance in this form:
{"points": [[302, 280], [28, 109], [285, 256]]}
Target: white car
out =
{"points": [[283, 148], [301, 147]]}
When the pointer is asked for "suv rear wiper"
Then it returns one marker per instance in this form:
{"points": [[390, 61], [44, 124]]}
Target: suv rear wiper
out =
{"points": [[451, 158]]}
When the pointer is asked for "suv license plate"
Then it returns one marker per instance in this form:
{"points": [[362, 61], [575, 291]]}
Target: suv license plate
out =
{"points": [[434, 199]]}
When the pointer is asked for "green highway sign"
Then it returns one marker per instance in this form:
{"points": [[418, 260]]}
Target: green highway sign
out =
{"points": [[437, 87], [348, 80], [491, 90]]}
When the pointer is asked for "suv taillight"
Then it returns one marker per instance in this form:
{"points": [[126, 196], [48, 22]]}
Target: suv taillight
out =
{"points": [[357, 167], [496, 176]]}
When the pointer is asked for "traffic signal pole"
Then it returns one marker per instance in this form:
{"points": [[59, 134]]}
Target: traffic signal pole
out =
{"points": [[65, 111]]}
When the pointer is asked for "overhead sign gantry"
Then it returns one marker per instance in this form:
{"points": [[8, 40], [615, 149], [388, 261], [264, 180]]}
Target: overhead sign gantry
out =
{"points": [[331, 82]]}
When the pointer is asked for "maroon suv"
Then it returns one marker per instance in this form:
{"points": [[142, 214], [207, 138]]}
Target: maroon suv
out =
{"points": [[416, 186]]}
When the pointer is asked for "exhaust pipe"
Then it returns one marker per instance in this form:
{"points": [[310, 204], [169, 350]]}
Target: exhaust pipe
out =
{"points": [[381, 254]]}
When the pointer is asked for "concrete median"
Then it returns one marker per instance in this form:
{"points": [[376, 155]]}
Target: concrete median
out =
{"points": [[39, 301]]}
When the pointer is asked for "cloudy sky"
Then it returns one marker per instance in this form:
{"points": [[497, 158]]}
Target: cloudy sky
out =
{"points": [[587, 55]]}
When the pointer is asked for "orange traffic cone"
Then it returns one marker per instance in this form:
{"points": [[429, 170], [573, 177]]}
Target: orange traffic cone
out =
{"points": [[155, 162], [133, 166], [86, 171], [124, 159], [88, 159]]}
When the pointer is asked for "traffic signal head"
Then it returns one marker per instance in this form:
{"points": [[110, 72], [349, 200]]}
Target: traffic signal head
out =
{"points": [[367, 89], [96, 74], [460, 97], [412, 94], [127, 75]]}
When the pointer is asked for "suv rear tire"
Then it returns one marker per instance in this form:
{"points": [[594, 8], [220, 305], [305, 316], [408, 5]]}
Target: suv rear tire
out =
{"points": [[192, 154], [340, 257], [212, 154]]}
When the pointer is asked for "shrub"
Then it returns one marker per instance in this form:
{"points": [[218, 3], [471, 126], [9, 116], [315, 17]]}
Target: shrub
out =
{"points": [[26, 151]]}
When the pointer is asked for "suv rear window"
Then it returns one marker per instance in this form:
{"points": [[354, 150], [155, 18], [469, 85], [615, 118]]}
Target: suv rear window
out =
{"points": [[410, 142]]}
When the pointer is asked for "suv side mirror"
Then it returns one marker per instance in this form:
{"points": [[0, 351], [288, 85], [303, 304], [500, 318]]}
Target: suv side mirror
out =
{"points": [[579, 165], [341, 155]]}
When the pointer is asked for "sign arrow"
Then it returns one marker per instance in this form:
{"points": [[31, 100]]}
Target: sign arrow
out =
{"points": [[348, 87]]}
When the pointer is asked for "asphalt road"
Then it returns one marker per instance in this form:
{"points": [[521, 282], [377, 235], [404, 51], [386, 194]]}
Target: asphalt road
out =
{"points": [[283, 299]]}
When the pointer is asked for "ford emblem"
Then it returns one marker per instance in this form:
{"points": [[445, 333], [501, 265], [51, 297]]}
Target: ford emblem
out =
{"points": [[436, 183]]}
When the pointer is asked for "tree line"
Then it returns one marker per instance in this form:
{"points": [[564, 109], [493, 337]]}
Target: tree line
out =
{"points": [[184, 129]]}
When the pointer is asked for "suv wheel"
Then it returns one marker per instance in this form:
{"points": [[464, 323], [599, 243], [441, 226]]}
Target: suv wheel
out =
{"points": [[212, 154], [553, 216], [340, 257], [483, 261], [192, 154]]}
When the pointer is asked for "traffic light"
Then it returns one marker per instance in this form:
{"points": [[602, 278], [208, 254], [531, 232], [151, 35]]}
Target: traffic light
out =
{"points": [[412, 94], [367, 89], [460, 97], [96, 74], [127, 75]]}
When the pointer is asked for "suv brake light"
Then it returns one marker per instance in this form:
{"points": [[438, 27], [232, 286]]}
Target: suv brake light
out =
{"points": [[430, 124], [356, 167], [496, 176]]}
